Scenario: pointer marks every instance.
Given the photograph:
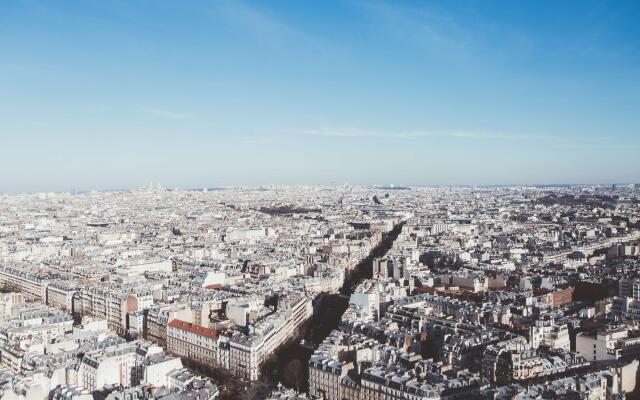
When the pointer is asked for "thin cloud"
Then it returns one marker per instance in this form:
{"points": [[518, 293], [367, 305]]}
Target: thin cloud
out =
{"points": [[254, 141], [419, 25], [358, 133], [462, 135], [274, 30], [494, 136], [348, 132], [257, 21], [166, 114], [556, 141]]}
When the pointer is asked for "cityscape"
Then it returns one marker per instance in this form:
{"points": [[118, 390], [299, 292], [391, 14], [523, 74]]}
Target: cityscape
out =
{"points": [[340, 292], [319, 200]]}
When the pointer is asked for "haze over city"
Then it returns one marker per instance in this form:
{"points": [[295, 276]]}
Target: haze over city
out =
{"points": [[319, 200], [110, 95]]}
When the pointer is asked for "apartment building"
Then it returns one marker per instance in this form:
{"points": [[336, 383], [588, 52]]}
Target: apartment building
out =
{"points": [[195, 342], [60, 295], [32, 285], [608, 344], [247, 353], [113, 305], [159, 317], [8, 301], [325, 377], [115, 365]]}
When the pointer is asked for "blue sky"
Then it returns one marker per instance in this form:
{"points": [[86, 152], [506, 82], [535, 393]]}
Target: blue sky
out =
{"points": [[113, 94]]}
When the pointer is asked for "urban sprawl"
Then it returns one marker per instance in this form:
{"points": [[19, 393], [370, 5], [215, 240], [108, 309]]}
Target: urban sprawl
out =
{"points": [[333, 293]]}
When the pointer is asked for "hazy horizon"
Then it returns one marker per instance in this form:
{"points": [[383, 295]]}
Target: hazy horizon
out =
{"points": [[328, 185]]}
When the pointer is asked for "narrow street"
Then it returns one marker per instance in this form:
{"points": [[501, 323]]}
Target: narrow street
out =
{"points": [[289, 366]]}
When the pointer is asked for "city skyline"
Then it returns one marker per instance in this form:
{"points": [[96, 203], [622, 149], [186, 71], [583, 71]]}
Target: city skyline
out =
{"points": [[102, 96], [321, 293], [319, 200]]}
